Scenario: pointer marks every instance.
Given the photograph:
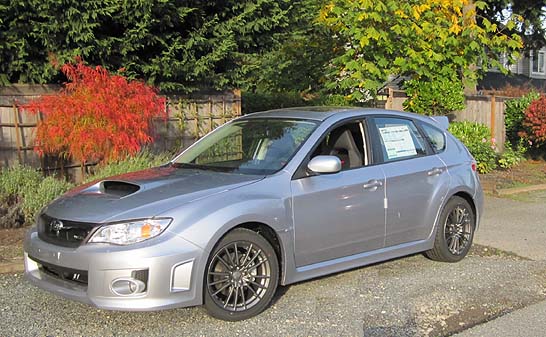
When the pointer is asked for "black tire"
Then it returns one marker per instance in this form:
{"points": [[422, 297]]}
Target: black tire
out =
{"points": [[455, 231], [241, 276]]}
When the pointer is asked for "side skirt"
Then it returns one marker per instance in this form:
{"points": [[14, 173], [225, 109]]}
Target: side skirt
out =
{"points": [[353, 261]]}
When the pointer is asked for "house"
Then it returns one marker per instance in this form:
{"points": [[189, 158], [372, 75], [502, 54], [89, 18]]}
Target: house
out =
{"points": [[528, 71]]}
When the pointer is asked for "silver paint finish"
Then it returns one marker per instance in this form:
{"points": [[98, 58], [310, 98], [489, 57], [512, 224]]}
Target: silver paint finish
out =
{"points": [[325, 164], [324, 223]]}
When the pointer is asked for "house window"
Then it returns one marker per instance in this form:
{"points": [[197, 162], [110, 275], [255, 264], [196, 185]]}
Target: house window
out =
{"points": [[537, 62]]}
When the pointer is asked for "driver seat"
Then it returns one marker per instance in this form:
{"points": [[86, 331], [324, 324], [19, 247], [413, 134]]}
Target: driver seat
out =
{"points": [[344, 147]]}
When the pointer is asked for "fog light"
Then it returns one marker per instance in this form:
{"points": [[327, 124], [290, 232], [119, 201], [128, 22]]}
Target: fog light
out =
{"points": [[127, 286]]}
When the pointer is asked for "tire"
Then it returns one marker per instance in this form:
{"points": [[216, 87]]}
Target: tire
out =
{"points": [[455, 231], [241, 276]]}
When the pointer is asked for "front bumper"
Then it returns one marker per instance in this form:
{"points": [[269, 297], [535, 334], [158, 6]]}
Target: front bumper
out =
{"points": [[172, 265]]}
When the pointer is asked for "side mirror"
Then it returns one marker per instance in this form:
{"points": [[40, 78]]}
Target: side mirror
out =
{"points": [[325, 164]]}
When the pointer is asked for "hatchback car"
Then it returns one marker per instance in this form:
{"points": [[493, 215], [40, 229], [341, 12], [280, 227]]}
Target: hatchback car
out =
{"points": [[270, 198]]}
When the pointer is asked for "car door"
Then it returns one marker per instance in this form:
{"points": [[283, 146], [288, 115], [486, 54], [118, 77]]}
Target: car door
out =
{"points": [[340, 214], [417, 180]]}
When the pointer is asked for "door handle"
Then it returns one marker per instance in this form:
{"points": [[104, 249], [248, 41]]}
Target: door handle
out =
{"points": [[372, 185], [435, 171]]}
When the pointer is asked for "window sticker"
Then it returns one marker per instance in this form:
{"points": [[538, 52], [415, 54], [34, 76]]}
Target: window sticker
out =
{"points": [[398, 142]]}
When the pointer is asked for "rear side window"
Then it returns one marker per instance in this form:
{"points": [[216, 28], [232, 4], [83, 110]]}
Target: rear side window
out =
{"points": [[435, 137], [399, 139]]}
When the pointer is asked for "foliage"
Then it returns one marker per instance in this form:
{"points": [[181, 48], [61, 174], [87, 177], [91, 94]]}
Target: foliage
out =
{"points": [[477, 138], [48, 189], [25, 188], [260, 101], [512, 157], [510, 90], [514, 114], [534, 122], [97, 116], [531, 13], [434, 98], [298, 62], [140, 161], [176, 45], [426, 40]]}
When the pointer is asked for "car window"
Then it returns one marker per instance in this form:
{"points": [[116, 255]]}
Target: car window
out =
{"points": [[399, 139], [347, 143], [435, 137], [254, 146]]}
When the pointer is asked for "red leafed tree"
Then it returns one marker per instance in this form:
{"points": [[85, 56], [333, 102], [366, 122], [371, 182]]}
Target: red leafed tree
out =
{"points": [[534, 122], [97, 116]]}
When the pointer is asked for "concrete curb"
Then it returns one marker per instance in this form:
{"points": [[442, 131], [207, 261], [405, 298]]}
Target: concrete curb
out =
{"points": [[514, 190], [15, 266]]}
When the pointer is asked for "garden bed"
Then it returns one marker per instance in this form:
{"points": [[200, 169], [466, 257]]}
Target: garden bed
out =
{"points": [[527, 173]]}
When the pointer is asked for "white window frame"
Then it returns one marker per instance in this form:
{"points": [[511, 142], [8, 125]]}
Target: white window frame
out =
{"points": [[540, 53]]}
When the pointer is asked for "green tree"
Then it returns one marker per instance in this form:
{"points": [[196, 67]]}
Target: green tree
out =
{"points": [[425, 40], [530, 12], [176, 45]]}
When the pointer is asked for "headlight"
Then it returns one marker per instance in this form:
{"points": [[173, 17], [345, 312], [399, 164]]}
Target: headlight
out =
{"points": [[130, 232]]}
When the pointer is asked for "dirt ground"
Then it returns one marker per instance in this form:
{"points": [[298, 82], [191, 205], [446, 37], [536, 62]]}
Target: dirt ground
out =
{"points": [[530, 172], [11, 243]]}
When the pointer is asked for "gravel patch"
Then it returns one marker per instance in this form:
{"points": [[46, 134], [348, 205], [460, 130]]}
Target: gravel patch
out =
{"points": [[412, 296]]}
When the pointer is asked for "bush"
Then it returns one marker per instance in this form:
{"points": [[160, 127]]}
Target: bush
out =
{"points": [[514, 115], [261, 101], [534, 123], [24, 192], [96, 116], [48, 190], [477, 138], [512, 157], [141, 161], [438, 97]]}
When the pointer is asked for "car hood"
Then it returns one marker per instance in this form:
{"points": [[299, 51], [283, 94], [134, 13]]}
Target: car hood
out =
{"points": [[142, 194]]}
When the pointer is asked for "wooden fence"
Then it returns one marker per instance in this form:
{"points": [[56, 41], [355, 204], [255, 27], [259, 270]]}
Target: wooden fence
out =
{"points": [[485, 109], [188, 118]]}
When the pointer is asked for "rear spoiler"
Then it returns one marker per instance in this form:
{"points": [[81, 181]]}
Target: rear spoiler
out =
{"points": [[442, 121]]}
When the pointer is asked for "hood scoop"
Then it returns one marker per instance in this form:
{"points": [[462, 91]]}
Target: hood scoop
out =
{"points": [[118, 188]]}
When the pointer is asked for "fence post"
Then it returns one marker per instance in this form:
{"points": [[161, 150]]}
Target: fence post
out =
{"points": [[17, 132], [493, 115]]}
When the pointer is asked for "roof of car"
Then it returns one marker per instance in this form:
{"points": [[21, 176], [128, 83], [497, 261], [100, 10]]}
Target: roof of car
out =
{"points": [[318, 113], [321, 113]]}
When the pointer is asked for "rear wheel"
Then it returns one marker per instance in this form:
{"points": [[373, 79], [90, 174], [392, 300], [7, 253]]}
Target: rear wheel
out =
{"points": [[241, 277], [455, 231]]}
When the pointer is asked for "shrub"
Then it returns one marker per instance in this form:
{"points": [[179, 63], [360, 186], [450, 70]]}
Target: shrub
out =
{"points": [[515, 113], [477, 138], [512, 157], [141, 161], [23, 191], [438, 97], [96, 116], [48, 190], [534, 122], [260, 101]]}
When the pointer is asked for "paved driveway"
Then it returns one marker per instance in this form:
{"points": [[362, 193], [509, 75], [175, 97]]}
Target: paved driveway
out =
{"points": [[515, 226]]}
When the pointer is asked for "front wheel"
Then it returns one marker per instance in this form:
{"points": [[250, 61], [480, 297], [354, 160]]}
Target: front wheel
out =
{"points": [[241, 276], [454, 233]]}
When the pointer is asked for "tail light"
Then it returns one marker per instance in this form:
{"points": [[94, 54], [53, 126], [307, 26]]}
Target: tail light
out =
{"points": [[474, 167]]}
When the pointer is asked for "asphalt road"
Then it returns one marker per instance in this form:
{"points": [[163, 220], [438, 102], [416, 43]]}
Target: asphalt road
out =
{"points": [[412, 296]]}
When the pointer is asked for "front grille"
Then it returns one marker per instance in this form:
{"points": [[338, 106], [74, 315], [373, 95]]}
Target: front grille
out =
{"points": [[63, 273], [63, 232]]}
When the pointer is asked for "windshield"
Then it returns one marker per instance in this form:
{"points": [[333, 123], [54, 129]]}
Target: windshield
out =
{"points": [[254, 146]]}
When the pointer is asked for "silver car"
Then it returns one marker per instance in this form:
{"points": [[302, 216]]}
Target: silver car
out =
{"points": [[271, 198]]}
